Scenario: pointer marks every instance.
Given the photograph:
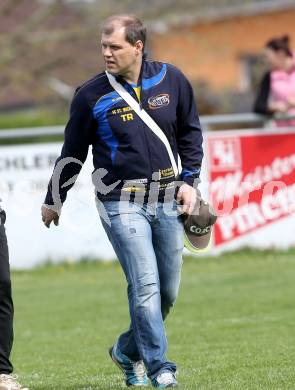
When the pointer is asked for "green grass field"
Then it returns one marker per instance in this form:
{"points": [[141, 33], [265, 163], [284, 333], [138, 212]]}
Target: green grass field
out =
{"points": [[33, 118], [232, 326]]}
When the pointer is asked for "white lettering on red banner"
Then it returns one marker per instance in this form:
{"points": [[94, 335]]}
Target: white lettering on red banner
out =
{"points": [[252, 185]]}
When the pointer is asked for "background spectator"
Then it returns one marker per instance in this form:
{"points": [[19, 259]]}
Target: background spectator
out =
{"points": [[277, 90]]}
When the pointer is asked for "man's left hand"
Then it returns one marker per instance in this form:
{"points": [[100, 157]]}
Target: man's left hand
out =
{"points": [[187, 197]]}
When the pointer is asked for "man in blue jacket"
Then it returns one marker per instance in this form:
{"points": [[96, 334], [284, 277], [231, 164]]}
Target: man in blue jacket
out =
{"points": [[136, 188]]}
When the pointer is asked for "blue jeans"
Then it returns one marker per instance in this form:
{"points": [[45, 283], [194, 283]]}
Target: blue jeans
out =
{"points": [[148, 241]]}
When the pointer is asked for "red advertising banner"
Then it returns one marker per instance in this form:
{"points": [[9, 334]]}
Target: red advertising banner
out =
{"points": [[252, 180]]}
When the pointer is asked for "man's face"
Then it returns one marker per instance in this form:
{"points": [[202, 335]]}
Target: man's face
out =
{"points": [[119, 55]]}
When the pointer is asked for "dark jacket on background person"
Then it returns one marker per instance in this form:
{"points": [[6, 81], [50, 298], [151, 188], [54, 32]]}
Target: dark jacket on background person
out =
{"points": [[261, 101]]}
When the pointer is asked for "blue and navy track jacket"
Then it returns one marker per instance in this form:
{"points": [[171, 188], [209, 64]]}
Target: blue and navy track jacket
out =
{"points": [[122, 143]]}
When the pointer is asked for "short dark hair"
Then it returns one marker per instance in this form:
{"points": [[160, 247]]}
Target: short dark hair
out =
{"points": [[280, 44], [134, 28]]}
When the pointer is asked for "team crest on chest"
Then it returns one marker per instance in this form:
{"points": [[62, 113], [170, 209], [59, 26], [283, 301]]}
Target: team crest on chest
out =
{"points": [[159, 101]]}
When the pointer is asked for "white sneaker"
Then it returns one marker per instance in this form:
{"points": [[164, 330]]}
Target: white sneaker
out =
{"points": [[135, 374], [9, 382], [166, 379]]}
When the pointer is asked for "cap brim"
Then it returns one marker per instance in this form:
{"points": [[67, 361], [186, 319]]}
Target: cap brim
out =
{"points": [[196, 243]]}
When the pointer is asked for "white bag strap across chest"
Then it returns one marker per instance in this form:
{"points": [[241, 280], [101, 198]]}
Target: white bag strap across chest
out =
{"points": [[146, 118]]}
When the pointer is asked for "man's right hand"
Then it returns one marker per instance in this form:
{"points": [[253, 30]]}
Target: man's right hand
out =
{"points": [[48, 216]]}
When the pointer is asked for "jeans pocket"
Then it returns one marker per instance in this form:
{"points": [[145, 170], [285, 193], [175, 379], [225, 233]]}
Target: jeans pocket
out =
{"points": [[115, 208]]}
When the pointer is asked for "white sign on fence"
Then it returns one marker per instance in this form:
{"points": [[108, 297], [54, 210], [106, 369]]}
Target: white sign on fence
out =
{"points": [[24, 174]]}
